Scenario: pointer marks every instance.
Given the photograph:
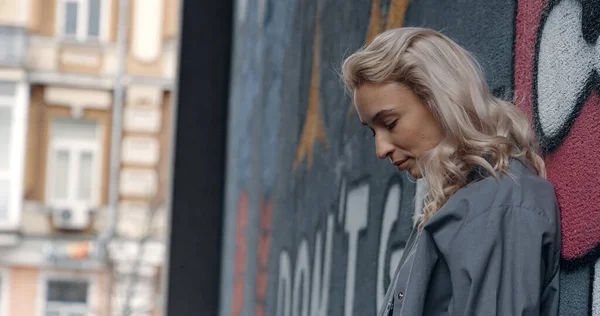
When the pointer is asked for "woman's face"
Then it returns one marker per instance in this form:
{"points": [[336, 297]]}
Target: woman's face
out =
{"points": [[402, 125]]}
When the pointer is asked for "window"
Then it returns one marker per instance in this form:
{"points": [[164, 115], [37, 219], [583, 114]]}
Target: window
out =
{"points": [[12, 45], [13, 123], [73, 159], [7, 122], [67, 297], [80, 19]]}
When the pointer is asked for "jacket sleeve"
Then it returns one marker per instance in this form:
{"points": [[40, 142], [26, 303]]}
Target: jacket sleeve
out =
{"points": [[505, 262]]}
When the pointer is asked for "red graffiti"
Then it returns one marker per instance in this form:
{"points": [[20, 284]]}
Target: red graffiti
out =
{"points": [[240, 255], [556, 85], [264, 244]]}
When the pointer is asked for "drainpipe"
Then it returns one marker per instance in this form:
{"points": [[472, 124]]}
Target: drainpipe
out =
{"points": [[117, 118], [116, 137]]}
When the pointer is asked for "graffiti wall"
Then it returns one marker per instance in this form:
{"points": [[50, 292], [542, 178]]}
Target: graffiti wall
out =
{"points": [[314, 223]]}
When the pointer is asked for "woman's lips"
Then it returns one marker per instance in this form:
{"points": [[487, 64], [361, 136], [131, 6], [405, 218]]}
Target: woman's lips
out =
{"points": [[401, 164]]}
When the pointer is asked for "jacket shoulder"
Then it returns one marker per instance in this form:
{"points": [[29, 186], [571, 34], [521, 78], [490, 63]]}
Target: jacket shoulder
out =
{"points": [[522, 188]]}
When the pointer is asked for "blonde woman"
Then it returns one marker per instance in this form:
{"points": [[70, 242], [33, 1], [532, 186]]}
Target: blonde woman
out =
{"points": [[488, 242]]}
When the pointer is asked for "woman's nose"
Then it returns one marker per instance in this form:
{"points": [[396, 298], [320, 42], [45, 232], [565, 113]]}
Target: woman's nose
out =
{"points": [[383, 148]]}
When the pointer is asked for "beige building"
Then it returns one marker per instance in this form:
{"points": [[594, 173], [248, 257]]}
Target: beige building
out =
{"points": [[73, 74]]}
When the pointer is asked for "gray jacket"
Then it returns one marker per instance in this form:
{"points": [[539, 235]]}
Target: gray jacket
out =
{"points": [[492, 249]]}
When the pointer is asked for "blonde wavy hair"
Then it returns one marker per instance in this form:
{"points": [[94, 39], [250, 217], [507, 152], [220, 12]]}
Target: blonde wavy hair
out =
{"points": [[479, 129]]}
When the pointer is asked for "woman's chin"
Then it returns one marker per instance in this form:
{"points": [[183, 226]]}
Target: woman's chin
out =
{"points": [[413, 172]]}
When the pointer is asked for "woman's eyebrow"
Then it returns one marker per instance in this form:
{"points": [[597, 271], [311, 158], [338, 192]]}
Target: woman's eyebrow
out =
{"points": [[377, 117]]}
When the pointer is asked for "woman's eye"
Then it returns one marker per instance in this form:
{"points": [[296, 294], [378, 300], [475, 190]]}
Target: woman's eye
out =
{"points": [[391, 125]]}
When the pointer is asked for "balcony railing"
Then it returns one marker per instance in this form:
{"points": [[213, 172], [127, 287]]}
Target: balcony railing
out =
{"points": [[13, 46]]}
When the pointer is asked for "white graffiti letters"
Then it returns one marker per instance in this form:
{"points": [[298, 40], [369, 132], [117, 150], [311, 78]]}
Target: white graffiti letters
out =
{"points": [[284, 285], [319, 298], [356, 221], [320, 291], [565, 63], [301, 280], [307, 291]]}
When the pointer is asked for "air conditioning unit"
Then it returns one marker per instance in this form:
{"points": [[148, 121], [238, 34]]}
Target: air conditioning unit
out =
{"points": [[71, 217]]}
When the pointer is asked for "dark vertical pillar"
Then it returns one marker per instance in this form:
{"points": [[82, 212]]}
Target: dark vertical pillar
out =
{"points": [[199, 159]]}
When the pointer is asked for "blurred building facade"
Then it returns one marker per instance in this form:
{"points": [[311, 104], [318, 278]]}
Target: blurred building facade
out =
{"points": [[85, 123]]}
